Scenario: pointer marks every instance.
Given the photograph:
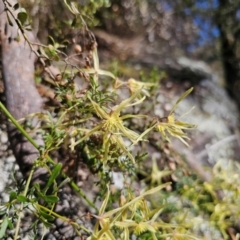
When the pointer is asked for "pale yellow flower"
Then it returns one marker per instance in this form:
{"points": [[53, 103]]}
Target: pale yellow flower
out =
{"points": [[169, 126], [112, 125], [134, 86]]}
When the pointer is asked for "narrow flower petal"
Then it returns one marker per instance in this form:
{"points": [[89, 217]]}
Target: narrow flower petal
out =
{"points": [[95, 129], [126, 103], [99, 110], [133, 116], [180, 99], [123, 147]]}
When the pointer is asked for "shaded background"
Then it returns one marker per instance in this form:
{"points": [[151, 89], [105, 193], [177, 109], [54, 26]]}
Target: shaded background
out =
{"points": [[196, 43], [154, 31]]}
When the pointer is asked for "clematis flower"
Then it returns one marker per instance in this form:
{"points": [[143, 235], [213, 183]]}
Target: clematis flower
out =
{"points": [[135, 86], [173, 128], [112, 125], [169, 126]]}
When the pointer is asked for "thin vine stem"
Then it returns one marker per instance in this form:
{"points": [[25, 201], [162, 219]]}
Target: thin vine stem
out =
{"points": [[18, 126]]}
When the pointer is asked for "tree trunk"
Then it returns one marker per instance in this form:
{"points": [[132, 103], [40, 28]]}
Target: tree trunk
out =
{"points": [[21, 94]]}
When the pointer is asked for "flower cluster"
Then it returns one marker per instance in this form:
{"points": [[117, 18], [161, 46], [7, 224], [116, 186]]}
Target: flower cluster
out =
{"points": [[170, 126], [112, 127], [135, 86]]}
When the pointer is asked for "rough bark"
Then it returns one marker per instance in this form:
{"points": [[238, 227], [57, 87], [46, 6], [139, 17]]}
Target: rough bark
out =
{"points": [[21, 94]]}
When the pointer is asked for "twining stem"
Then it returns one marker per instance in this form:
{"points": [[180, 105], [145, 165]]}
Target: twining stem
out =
{"points": [[62, 217], [21, 207], [18, 126], [73, 185], [76, 188]]}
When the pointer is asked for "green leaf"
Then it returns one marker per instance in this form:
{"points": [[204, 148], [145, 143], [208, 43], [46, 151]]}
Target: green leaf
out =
{"points": [[46, 216], [106, 73], [13, 196], [52, 40], [46, 224], [43, 52], [52, 52], [22, 17], [65, 181], [57, 169], [50, 198], [36, 186], [22, 198], [180, 99], [10, 224], [3, 227], [16, 6]]}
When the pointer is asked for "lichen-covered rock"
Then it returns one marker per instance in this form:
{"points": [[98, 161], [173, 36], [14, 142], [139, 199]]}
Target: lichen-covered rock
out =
{"points": [[214, 112]]}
